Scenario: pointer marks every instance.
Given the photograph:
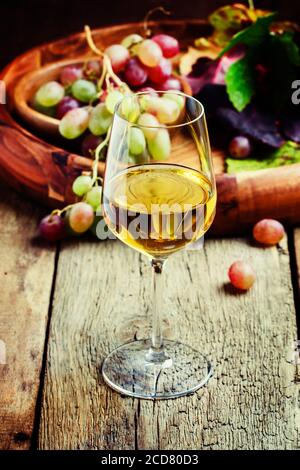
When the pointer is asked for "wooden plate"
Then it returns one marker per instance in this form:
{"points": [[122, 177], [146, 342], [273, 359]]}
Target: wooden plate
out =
{"points": [[46, 171]]}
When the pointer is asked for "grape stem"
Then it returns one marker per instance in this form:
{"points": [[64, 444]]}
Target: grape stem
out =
{"points": [[61, 211], [251, 4], [107, 71], [147, 30], [97, 157]]}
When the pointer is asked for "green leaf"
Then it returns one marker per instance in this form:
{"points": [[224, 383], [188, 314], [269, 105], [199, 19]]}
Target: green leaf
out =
{"points": [[287, 154], [240, 82], [253, 35], [282, 57]]}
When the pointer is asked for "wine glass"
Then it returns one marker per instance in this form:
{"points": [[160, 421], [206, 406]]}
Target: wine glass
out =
{"points": [[159, 196]]}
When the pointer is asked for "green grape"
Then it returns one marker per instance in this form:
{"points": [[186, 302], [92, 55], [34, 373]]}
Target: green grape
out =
{"points": [[83, 90], [93, 197], [136, 141], [82, 185], [100, 120], [139, 159], [160, 146], [112, 100], [50, 94], [179, 99], [74, 123], [131, 39], [81, 217], [167, 111], [130, 109], [149, 125]]}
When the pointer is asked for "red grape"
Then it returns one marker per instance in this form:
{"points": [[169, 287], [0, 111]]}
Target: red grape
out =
{"points": [[135, 74], [240, 147], [148, 89], [168, 45], [52, 227], [92, 69], [81, 217], [161, 72], [171, 83], [241, 275], [89, 145], [65, 105], [70, 74], [118, 55], [268, 232]]}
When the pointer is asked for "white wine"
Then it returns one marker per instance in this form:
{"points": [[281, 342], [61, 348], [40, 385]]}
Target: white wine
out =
{"points": [[159, 208]]}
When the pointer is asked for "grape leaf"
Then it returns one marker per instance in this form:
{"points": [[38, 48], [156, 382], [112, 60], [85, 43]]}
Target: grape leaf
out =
{"points": [[252, 36], [287, 154], [240, 82]]}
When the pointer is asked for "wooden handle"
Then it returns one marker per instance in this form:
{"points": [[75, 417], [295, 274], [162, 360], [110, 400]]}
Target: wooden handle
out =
{"points": [[247, 197]]}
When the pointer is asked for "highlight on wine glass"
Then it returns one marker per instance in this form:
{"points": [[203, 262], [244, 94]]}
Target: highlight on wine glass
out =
{"points": [[159, 196]]}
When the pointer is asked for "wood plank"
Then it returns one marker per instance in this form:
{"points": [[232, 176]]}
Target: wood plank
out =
{"points": [[25, 283], [101, 301]]}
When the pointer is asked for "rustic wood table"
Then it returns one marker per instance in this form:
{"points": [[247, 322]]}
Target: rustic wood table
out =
{"points": [[64, 308]]}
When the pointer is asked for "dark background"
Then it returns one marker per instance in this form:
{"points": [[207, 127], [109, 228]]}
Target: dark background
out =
{"points": [[27, 23]]}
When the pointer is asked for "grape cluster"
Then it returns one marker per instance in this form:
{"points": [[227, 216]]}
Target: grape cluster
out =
{"points": [[84, 99]]}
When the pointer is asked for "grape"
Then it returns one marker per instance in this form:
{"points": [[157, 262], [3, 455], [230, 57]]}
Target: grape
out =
{"points": [[160, 145], [83, 90], [50, 94], [166, 110], [81, 185], [69, 74], [130, 40], [81, 217], [179, 99], [93, 197], [168, 45], [89, 145], [112, 99], [149, 53], [65, 105], [92, 69], [118, 55], [149, 125], [100, 120], [171, 83], [161, 72], [130, 109], [241, 275], [74, 123], [135, 74], [52, 227], [268, 232], [240, 147], [136, 141]]}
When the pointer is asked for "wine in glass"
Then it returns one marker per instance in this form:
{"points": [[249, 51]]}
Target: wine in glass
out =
{"points": [[159, 196]]}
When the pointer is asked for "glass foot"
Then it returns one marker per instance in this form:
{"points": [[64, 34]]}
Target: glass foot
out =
{"points": [[183, 371]]}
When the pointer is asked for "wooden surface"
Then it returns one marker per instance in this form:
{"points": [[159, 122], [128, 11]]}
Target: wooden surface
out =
{"points": [[101, 296], [26, 276]]}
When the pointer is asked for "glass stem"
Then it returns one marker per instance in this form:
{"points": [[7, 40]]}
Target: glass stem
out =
{"points": [[156, 352]]}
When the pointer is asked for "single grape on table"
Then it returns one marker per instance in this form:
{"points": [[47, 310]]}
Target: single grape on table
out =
{"points": [[241, 275], [268, 232]]}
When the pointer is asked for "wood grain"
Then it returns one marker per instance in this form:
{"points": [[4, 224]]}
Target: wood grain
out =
{"points": [[101, 301], [25, 283]]}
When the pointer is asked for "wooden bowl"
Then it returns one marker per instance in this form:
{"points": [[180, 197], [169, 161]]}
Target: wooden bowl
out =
{"points": [[28, 85]]}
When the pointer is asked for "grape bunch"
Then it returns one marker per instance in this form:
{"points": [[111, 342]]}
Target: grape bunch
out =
{"points": [[84, 98]]}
